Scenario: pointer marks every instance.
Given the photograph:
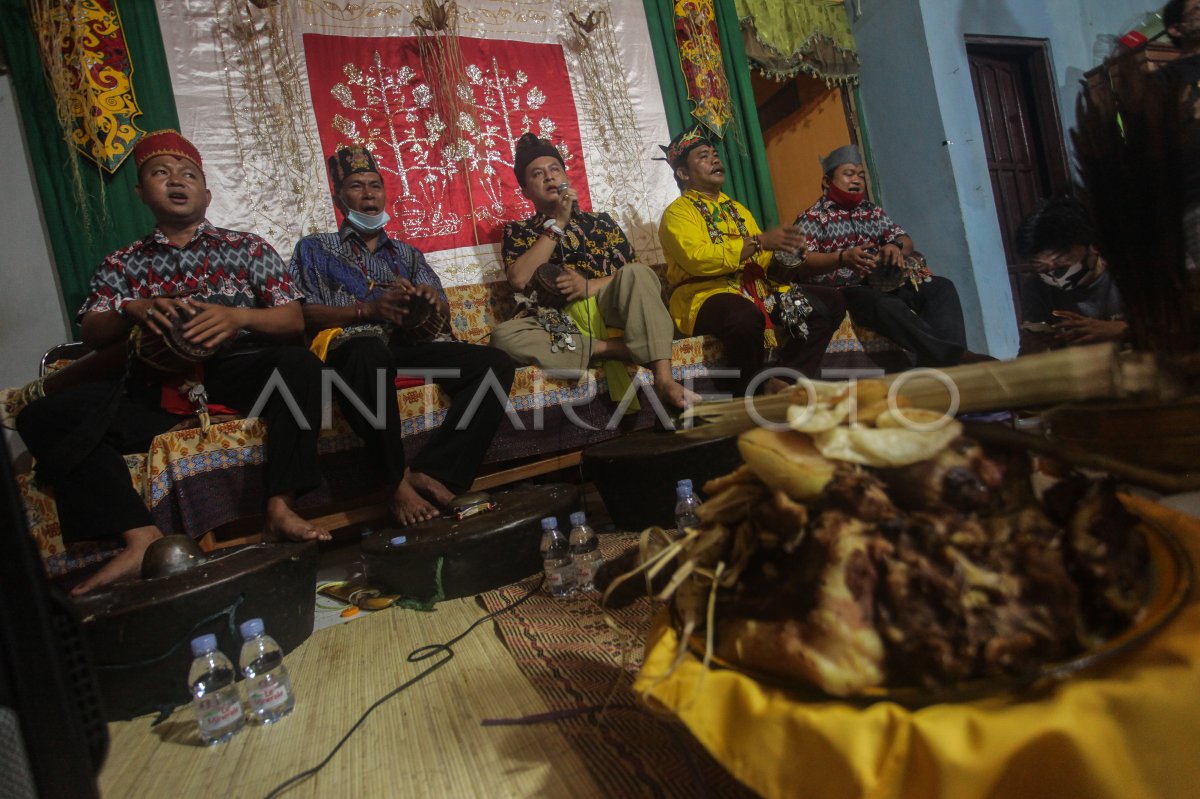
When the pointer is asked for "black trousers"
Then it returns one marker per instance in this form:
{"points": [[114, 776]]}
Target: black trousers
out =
{"points": [[738, 325], [456, 449], [94, 495], [928, 322]]}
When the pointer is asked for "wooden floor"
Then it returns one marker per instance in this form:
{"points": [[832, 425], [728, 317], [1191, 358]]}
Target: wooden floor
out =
{"points": [[425, 742]]}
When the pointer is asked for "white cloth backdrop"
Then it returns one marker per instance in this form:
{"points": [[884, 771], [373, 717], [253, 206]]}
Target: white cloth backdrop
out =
{"points": [[241, 84]]}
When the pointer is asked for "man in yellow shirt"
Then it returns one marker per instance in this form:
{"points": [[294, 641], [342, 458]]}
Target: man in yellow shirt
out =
{"points": [[717, 261]]}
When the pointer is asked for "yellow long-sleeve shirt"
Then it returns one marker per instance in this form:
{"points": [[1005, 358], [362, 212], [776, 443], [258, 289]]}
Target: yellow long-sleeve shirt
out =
{"points": [[700, 265]]}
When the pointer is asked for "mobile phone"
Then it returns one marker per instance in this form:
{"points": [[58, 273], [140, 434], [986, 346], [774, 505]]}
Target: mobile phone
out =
{"points": [[1037, 327]]}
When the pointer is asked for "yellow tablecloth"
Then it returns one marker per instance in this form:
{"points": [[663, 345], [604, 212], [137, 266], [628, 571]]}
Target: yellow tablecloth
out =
{"points": [[1126, 730]]}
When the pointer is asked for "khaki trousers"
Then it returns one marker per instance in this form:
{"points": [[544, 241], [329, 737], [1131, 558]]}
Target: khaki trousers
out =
{"points": [[632, 301]]}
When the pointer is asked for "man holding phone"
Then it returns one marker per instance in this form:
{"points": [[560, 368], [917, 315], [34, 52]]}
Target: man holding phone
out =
{"points": [[1071, 298]]}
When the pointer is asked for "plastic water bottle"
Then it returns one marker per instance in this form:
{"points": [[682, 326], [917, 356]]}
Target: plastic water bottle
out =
{"points": [[268, 686], [686, 504], [556, 557], [585, 551], [214, 692]]}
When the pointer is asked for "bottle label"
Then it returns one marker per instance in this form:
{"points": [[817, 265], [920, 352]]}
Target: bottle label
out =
{"points": [[587, 571], [268, 696], [216, 712]]}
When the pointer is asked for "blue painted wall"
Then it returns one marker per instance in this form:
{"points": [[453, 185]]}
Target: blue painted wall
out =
{"points": [[918, 105]]}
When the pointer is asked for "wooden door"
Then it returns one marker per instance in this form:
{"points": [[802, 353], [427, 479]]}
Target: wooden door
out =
{"points": [[1018, 111], [802, 120]]}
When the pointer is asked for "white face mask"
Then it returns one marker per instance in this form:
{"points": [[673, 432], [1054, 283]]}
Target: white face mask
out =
{"points": [[1065, 277], [368, 223]]}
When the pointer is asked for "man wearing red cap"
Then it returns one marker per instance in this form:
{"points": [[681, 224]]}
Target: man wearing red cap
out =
{"points": [[220, 289], [372, 303]]}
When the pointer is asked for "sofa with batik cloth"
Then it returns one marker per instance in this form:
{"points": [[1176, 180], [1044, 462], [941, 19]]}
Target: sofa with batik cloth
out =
{"points": [[196, 482]]}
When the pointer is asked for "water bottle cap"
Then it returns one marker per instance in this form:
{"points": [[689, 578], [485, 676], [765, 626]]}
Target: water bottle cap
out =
{"points": [[684, 483], [251, 628], [549, 523], [204, 644], [399, 541], [682, 491], [578, 518]]}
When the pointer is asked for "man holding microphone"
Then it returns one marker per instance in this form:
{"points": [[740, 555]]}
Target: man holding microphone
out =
{"points": [[576, 276]]}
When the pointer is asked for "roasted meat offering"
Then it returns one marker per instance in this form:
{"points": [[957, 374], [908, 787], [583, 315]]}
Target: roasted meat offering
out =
{"points": [[930, 569]]}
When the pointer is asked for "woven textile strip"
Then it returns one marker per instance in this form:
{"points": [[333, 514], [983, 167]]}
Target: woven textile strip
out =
{"points": [[91, 74], [703, 69], [578, 663], [811, 36]]}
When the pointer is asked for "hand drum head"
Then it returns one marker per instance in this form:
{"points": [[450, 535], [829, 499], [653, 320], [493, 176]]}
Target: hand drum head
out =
{"points": [[543, 288]]}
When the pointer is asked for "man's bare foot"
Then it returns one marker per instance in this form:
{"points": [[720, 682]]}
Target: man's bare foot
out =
{"points": [[284, 524], [430, 487], [127, 565], [408, 506], [674, 395]]}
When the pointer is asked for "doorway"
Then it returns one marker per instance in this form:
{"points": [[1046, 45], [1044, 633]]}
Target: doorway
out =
{"points": [[802, 119], [1018, 111]]}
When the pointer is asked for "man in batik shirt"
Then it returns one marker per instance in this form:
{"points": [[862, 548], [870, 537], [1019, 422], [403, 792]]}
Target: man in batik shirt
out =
{"points": [[225, 289], [375, 305], [717, 257], [600, 285], [855, 247]]}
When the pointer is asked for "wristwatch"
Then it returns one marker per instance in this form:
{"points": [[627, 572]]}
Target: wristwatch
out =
{"points": [[121, 304]]}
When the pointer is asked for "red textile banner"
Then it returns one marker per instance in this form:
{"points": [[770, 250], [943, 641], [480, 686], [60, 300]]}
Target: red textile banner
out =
{"points": [[702, 63], [445, 194]]}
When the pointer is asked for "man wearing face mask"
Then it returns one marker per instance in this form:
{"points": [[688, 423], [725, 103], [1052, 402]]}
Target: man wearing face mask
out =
{"points": [[374, 305], [1071, 298], [854, 246]]}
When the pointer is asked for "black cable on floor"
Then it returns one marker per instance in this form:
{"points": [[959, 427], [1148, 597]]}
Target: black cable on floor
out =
{"points": [[417, 655]]}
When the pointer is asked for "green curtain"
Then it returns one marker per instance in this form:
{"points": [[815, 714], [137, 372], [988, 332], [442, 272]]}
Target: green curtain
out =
{"points": [[742, 151], [116, 216]]}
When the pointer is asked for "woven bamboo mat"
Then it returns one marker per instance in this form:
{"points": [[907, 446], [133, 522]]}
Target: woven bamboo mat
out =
{"points": [[583, 669], [426, 742]]}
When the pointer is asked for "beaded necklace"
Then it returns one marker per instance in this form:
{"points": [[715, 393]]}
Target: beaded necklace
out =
{"points": [[715, 233]]}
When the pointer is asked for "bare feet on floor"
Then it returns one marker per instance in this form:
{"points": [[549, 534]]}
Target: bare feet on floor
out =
{"points": [[284, 524], [126, 565]]}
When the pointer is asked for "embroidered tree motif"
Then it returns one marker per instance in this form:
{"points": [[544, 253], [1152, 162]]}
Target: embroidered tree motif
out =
{"points": [[498, 109], [401, 129]]}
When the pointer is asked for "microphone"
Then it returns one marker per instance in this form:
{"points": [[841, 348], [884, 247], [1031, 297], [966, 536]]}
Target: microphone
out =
{"points": [[574, 203]]}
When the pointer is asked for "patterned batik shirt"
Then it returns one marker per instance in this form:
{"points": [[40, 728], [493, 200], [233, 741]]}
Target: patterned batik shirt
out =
{"points": [[831, 228], [593, 245], [339, 269], [222, 267]]}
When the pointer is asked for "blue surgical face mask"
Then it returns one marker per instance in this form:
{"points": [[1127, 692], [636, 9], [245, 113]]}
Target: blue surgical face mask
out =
{"points": [[368, 223]]}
